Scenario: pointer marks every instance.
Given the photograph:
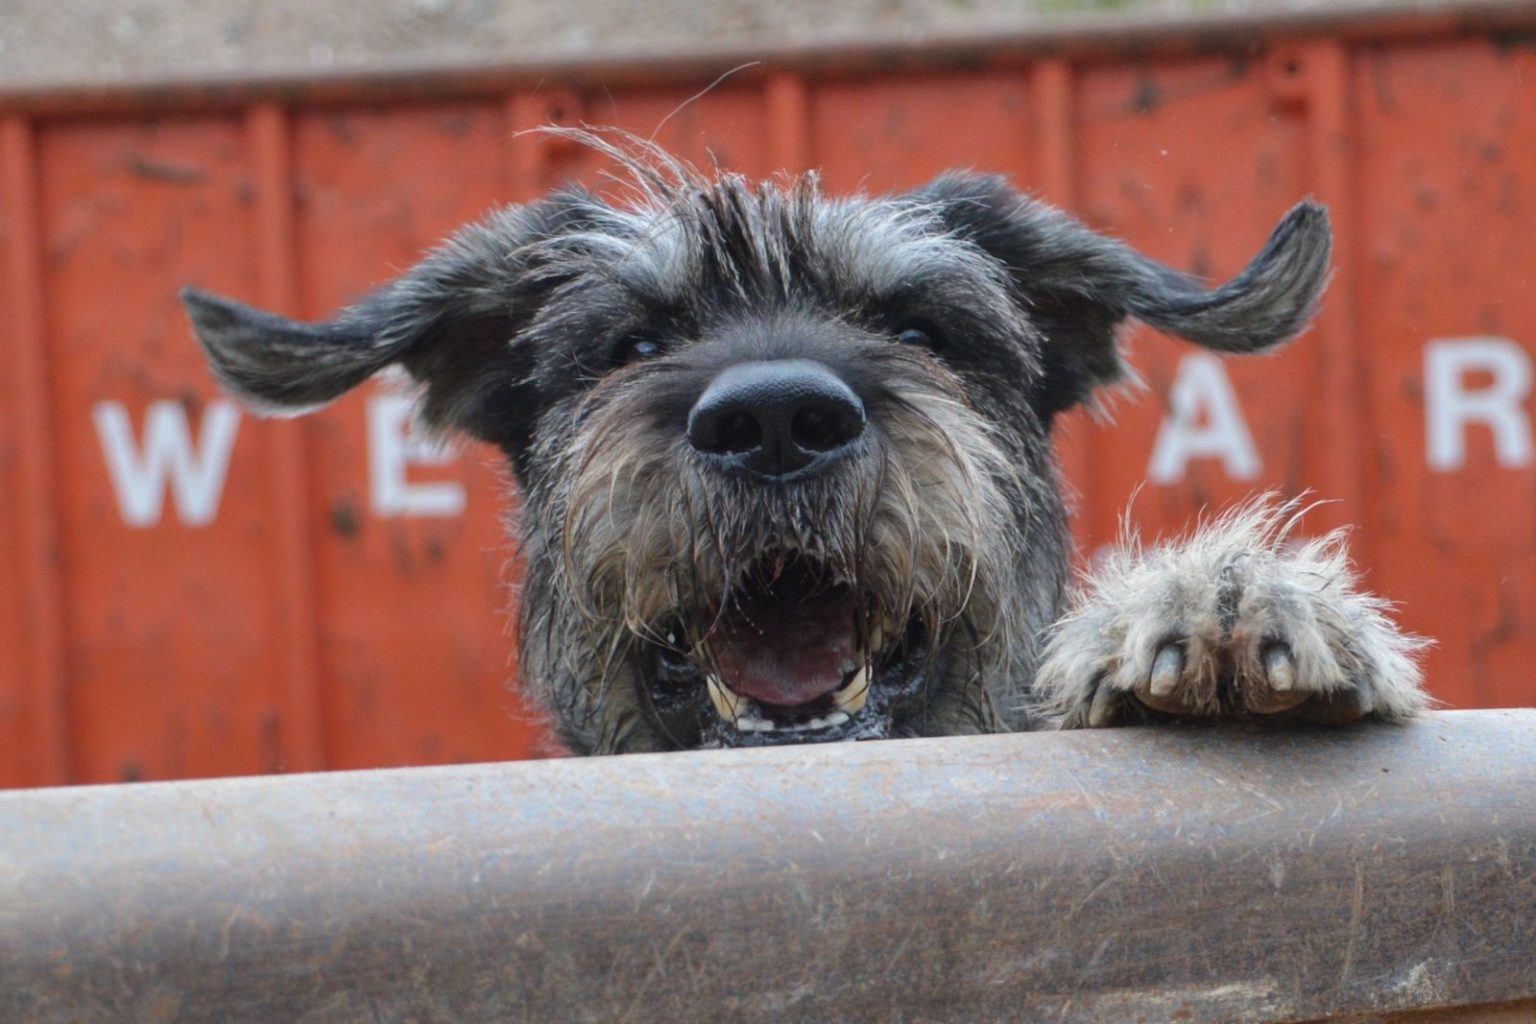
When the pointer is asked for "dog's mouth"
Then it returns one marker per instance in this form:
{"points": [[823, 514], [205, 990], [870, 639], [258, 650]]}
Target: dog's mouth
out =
{"points": [[793, 656]]}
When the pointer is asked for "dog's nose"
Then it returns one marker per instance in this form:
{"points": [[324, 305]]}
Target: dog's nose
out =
{"points": [[778, 418]]}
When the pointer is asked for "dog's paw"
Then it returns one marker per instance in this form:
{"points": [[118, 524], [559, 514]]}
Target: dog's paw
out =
{"points": [[1231, 623]]}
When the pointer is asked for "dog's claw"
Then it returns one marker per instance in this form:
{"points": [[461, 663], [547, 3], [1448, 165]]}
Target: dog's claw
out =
{"points": [[1160, 691], [1279, 668], [1166, 669], [1101, 712], [1342, 706], [1276, 690]]}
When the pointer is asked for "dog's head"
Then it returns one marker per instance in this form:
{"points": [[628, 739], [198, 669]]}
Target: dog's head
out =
{"points": [[785, 458]]}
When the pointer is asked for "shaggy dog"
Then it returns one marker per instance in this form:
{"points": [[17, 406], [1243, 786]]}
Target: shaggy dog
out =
{"points": [[786, 468]]}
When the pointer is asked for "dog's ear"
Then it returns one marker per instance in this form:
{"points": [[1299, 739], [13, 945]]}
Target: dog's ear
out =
{"points": [[1078, 285], [451, 321]]}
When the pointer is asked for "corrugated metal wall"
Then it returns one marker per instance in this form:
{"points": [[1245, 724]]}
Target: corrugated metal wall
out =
{"points": [[188, 591]]}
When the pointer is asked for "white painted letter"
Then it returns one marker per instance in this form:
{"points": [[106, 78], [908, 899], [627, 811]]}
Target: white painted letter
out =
{"points": [[1202, 387], [391, 450], [1449, 408], [139, 475]]}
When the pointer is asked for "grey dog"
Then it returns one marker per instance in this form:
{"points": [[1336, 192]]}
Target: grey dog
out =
{"points": [[786, 466]]}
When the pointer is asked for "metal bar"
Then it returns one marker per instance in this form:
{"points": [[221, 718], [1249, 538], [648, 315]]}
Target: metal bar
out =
{"points": [[866, 52], [1055, 160], [532, 157], [1520, 1012], [1054, 166], [1342, 399], [34, 520], [789, 121], [526, 154], [301, 741], [1191, 874]]}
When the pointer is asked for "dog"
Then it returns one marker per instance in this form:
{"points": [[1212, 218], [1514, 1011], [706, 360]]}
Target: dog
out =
{"points": [[786, 469]]}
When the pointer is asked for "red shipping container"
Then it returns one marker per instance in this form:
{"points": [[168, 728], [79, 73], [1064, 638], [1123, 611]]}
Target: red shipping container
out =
{"points": [[187, 591]]}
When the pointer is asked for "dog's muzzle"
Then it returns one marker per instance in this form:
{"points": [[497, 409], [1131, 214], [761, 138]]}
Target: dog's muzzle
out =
{"points": [[792, 656], [795, 651]]}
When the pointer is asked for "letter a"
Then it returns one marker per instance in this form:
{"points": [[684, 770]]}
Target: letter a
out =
{"points": [[1202, 391]]}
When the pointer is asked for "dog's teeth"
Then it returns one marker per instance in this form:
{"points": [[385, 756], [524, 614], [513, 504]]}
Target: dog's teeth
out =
{"points": [[836, 718], [876, 638], [816, 723], [746, 724], [726, 703], [851, 698]]}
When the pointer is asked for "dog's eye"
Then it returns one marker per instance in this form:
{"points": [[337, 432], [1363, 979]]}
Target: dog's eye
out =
{"points": [[921, 335], [637, 348]]}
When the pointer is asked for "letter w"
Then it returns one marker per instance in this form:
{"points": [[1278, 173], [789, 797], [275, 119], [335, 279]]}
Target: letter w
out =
{"points": [[140, 474]]}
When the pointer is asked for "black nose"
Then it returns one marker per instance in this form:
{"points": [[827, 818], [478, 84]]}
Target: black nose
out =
{"points": [[782, 418]]}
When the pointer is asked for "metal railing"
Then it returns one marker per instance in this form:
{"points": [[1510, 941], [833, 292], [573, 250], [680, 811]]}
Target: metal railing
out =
{"points": [[1189, 874]]}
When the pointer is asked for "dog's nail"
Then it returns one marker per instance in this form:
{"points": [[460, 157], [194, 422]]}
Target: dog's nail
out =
{"points": [[1279, 668], [1101, 712], [1277, 692], [1342, 706], [1166, 669]]}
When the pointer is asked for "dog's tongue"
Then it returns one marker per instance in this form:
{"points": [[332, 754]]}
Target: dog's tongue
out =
{"points": [[786, 649]]}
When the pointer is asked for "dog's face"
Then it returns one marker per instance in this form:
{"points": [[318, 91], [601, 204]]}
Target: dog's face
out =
{"points": [[785, 459]]}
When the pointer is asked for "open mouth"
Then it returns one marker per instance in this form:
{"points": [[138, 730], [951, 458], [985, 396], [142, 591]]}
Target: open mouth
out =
{"points": [[794, 655]]}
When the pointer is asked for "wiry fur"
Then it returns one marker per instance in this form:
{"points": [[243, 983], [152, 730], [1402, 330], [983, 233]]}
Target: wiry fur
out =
{"points": [[1235, 591], [924, 524], [946, 514]]}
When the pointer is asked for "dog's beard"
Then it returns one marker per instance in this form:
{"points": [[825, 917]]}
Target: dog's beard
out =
{"points": [[704, 609]]}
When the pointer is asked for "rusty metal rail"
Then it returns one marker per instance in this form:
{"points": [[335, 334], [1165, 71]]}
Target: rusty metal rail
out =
{"points": [[1183, 874]]}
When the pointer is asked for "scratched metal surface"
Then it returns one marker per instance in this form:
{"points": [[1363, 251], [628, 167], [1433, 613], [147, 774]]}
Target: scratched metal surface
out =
{"points": [[1195, 875]]}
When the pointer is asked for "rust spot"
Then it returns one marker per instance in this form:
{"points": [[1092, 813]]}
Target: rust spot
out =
{"points": [[175, 174], [271, 742], [1190, 199], [400, 549], [455, 126], [1510, 40], [1200, 260], [344, 519], [1147, 97], [1266, 171], [342, 130]]}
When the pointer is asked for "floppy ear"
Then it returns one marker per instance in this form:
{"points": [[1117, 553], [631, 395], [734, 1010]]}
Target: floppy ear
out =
{"points": [[451, 321], [1079, 286]]}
